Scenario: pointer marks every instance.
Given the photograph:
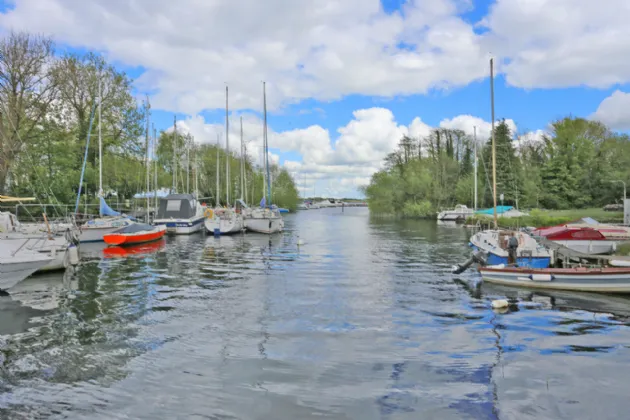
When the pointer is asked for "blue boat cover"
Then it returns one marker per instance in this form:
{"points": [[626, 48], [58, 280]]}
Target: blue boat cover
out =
{"points": [[105, 210], [263, 202], [500, 210]]}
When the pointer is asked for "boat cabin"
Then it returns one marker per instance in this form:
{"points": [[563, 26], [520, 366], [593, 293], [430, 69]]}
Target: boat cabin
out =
{"points": [[177, 206]]}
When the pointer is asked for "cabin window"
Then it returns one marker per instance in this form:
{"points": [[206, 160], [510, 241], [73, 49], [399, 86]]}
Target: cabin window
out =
{"points": [[173, 205]]}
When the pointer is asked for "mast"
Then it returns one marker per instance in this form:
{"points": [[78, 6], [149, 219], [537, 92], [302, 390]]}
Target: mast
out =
{"points": [[227, 150], [155, 167], [475, 140], [242, 166], [196, 155], [147, 155], [494, 154], [217, 190], [174, 154], [187, 168], [245, 169], [266, 147], [100, 142]]}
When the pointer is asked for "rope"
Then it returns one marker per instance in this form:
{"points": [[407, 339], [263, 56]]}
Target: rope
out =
{"points": [[87, 146]]}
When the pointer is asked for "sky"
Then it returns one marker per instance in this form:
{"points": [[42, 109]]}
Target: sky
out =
{"points": [[346, 79]]}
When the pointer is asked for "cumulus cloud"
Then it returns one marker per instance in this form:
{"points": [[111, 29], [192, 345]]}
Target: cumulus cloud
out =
{"points": [[613, 111], [469, 123], [560, 43]]}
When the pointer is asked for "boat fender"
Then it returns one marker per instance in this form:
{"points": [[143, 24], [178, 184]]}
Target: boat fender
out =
{"points": [[500, 303], [208, 213], [73, 255], [541, 277]]}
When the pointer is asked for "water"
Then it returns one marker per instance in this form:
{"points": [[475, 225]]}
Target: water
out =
{"points": [[363, 321]]}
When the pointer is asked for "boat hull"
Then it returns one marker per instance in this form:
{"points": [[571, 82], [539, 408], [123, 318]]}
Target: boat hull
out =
{"points": [[231, 225], [14, 270], [181, 226], [530, 262], [94, 230], [135, 238], [606, 280], [265, 225]]}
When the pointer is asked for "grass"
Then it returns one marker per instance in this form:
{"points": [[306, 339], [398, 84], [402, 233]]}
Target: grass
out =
{"points": [[544, 218]]}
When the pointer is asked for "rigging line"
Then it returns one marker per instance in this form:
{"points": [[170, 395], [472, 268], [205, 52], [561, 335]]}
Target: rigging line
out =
{"points": [[87, 146], [32, 164]]}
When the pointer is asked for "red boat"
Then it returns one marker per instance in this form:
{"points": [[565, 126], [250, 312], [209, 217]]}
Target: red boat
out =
{"points": [[139, 249], [136, 233], [582, 239]]}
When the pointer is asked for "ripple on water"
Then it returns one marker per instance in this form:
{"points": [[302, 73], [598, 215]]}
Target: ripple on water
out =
{"points": [[362, 321]]}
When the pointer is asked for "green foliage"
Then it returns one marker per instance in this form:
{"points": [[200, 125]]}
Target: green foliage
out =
{"points": [[420, 210], [571, 168]]}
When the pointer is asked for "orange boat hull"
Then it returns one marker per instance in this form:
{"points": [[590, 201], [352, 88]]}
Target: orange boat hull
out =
{"points": [[117, 239]]}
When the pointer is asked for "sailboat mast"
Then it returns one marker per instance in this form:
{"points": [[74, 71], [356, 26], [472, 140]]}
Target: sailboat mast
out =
{"points": [[242, 166], [147, 155], [187, 168], [174, 154], [196, 155], [227, 150], [266, 145], [475, 172], [217, 191], [100, 142], [494, 153], [155, 167]]}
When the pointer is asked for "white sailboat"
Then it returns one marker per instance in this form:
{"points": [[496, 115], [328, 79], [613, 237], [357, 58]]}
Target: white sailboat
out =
{"points": [[109, 220], [212, 221], [266, 219], [16, 264]]}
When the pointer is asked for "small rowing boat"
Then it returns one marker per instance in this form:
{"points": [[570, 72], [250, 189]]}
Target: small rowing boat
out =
{"points": [[136, 233], [136, 249], [581, 279]]}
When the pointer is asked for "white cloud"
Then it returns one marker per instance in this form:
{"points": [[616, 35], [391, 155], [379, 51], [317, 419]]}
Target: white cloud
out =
{"points": [[467, 123], [559, 43], [322, 49], [613, 111]]}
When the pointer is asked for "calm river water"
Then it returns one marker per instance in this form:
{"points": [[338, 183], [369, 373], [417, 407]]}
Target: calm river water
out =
{"points": [[362, 321]]}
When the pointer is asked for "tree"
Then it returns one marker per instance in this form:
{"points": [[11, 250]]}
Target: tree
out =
{"points": [[26, 92]]}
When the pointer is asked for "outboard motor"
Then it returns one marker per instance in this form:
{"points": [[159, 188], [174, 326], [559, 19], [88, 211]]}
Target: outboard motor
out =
{"points": [[478, 257]]}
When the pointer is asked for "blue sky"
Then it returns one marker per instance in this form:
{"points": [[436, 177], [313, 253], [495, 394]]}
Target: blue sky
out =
{"points": [[346, 79]]}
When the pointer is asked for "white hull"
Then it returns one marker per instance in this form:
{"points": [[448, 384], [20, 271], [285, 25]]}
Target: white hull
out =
{"points": [[264, 225], [453, 216], [589, 281], [211, 224], [590, 247], [54, 249], [182, 226], [94, 230], [231, 224], [14, 269]]}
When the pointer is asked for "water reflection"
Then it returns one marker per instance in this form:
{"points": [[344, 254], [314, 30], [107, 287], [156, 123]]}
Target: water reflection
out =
{"points": [[363, 320]]}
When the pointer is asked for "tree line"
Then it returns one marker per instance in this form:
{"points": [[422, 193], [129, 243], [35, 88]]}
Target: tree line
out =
{"points": [[47, 100], [576, 165]]}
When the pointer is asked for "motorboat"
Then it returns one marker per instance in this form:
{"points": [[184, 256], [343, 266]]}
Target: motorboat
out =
{"points": [[580, 239], [134, 234], [582, 279], [494, 243], [182, 214], [459, 213], [136, 249], [610, 232]]}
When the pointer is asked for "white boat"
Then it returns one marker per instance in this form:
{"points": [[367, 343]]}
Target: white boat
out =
{"points": [[582, 279], [460, 212], [230, 221], [265, 220], [17, 263], [494, 243], [181, 213], [580, 239], [56, 244]]}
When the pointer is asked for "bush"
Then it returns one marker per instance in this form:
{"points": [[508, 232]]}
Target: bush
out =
{"points": [[421, 210]]}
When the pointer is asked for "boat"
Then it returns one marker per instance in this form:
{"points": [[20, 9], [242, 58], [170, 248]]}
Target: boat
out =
{"points": [[580, 239], [582, 279], [137, 249], [503, 211], [283, 210], [303, 206], [266, 219], [182, 214], [18, 263], [459, 213], [135, 234], [494, 243], [53, 242], [610, 232]]}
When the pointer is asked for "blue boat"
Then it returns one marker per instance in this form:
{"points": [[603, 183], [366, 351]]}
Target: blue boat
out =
{"points": [[529, 253]]}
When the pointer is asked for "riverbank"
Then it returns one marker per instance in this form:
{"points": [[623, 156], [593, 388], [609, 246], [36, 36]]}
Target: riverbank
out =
{"points": [[545, 218]]}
